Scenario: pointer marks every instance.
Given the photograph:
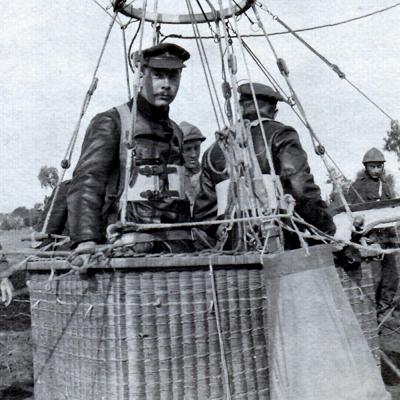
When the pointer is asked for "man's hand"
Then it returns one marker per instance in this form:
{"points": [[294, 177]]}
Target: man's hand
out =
{"points": [[6, 289], [81, 258], [86, 246]]}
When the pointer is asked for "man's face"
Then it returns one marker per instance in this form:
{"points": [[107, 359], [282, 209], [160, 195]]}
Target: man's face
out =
{"points": [[248, 107], [160, 86], [374, 169], [191, 154]]}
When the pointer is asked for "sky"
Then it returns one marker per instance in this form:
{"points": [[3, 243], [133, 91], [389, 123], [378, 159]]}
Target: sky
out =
{"points": [[49, 51]]}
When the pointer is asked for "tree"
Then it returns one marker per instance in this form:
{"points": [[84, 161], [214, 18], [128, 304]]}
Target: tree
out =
{"points": [[48, 177], [22, 212], [392, 141]]}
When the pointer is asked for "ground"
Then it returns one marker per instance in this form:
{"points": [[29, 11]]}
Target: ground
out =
{"points": [[16, 374]]}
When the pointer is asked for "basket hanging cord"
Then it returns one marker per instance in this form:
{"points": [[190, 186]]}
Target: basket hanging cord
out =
{"points": [[66, 162], [126, 62], [318, 147], [220, 336], [156, 27], [206, 67], [275, 178], [335, 68], [226, 87], [129, 137]]}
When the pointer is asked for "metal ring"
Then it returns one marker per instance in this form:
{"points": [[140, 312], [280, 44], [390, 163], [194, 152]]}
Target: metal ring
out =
{"points": [[162, 18]]}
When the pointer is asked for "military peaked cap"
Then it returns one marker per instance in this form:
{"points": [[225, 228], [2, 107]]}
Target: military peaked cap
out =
{"points": [[191, 132], [164, 55], [260, 90]]}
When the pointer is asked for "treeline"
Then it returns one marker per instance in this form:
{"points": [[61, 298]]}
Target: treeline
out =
{"points": [[21, 217]]}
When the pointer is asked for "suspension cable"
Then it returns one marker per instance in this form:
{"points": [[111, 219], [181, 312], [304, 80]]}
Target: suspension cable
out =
{"points": [[206, 68], [129, 140], [308, 29], [66, 162], [334, 67], [155, 27], [276, 180], [318, 147], [128, 84]]}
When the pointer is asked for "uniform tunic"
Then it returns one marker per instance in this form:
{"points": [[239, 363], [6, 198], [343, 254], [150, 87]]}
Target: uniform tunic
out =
{"points": [[369, 189], [96, 185], [290, 162]]}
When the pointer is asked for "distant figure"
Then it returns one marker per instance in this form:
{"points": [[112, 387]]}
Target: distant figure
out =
{"points": [[192, 139], [371, 186]]}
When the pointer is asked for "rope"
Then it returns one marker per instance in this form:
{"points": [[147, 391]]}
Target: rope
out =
{"points": [[129, 140], [334, 67], [308, 29], [277, 183], [128, 84], [206, 66], [155, 27], [220, 337], [318, 147], [107, 12], [226, 88], [390, 363], [66, 162]]}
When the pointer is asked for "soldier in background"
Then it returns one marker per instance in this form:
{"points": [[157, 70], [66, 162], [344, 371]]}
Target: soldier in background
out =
{"points": [[192, 139], [372, 186]]}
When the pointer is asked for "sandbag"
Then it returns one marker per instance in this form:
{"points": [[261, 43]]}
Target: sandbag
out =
{"points": [[317, 349]]}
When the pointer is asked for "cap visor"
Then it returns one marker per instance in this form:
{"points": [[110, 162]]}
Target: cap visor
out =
{"points": [[165, 64]]}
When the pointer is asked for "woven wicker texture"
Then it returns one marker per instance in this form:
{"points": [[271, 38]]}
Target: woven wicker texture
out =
{"points": [[152, 334], [149, 335], [359, 288]]}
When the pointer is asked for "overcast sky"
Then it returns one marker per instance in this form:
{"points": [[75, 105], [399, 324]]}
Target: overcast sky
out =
{"points": [[49, 49]]}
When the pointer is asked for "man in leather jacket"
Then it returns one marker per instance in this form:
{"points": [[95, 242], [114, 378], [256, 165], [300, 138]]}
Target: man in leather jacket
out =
{"points": [[97, 183], [289, 158]]}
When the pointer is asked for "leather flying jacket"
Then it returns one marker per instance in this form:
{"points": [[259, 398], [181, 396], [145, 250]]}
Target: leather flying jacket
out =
{"points": [[290, 162], [96, 185]]}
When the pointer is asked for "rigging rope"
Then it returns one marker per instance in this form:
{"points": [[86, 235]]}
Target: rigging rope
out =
{"points": [[312, 28], [66, 162], [128, 84], [276, 180], [220, 336], [155, 22], [130, 136], [318, 147], [334, 67], [206, 67]]}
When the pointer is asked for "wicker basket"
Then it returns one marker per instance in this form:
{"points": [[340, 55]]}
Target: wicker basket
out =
{"points": [[359, 288], [147, 329]]}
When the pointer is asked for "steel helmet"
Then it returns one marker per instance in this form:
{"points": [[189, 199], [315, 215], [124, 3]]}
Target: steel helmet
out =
{"points": [[191, 132], [373, 155]]}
